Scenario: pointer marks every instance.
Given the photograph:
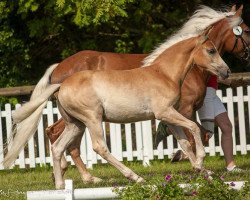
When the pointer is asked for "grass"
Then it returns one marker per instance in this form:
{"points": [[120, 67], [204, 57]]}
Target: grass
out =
{"points": [[16, 182]]}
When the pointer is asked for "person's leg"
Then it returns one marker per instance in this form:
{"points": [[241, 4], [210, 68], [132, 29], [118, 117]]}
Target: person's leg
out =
{"points": [[226, 138], [209, 127], [223, 121]]}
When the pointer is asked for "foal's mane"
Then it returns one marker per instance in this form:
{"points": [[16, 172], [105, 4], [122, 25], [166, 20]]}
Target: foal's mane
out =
{"points": [[198, 22]]}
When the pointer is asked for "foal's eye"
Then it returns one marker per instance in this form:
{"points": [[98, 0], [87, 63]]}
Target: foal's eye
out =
{"points": [[211, 51]]}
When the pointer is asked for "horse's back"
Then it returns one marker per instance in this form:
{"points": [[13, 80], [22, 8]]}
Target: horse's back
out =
{"points": [[83, 60], [95, 60]]}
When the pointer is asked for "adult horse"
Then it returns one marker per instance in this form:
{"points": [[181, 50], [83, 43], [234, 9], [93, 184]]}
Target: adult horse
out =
{"points": [[123, 96], [193, 89]]}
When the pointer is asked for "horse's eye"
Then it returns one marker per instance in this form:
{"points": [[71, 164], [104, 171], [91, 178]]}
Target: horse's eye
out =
{"points": [[211, 51]]}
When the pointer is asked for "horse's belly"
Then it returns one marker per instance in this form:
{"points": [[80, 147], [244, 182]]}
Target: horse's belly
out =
{"points": [[126, 113]]}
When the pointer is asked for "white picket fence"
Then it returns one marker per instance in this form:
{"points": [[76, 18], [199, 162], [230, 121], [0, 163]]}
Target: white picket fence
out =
{"points": [[130, 141]]}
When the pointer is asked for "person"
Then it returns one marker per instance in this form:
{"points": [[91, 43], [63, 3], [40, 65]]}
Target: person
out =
{"points": [[213, 111]]}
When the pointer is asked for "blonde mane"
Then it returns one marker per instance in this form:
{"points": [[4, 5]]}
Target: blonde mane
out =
{"points": [[201, 19]]}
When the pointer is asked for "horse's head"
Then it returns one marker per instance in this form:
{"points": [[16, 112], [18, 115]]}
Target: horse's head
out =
{"points": [[207, 57], [237, 35]]}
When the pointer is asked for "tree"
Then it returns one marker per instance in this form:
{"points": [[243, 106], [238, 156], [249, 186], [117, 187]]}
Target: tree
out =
{"points": [[35, 34]]}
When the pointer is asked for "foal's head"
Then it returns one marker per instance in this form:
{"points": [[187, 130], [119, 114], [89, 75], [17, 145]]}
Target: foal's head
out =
{"points": [[207, 57]]}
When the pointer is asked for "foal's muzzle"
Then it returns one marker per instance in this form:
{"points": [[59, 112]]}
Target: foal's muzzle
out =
{"points": [[225, 73]]}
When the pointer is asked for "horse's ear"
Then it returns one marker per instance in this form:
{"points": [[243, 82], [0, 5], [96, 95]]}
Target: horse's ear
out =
{"points": [[233, 9], [239, 11]]}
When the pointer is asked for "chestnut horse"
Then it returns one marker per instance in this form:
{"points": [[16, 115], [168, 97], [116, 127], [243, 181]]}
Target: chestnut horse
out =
{"points": [[124, 96], [193, 89]]}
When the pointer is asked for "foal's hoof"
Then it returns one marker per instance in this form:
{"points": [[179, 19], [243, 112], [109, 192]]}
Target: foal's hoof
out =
{"points": [[96, 179], [209, 172], [92, 179], [206, 172], [60, 186], [197, 169], [140, 180]]}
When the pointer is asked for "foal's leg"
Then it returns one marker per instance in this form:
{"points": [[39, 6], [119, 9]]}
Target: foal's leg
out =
{"points": [[184, 143], [100, 147], [74, 149], [171, 116], [53, 132], [70, 133]]}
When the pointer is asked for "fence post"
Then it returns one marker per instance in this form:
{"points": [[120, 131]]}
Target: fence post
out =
{"points": [[69, 189], [242, 127], [1, 141]]}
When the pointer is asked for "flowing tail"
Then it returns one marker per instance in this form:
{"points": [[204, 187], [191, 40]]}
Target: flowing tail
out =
{"points": [[26, 118], [20, 114]]}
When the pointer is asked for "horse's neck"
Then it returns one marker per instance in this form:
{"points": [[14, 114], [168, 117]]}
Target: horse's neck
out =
{"points": [[176, 61]]}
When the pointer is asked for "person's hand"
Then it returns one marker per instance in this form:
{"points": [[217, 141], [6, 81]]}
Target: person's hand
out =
{"points": [[238, 82]]}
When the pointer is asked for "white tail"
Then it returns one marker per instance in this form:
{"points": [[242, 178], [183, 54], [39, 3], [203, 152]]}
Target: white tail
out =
{"points": [[28, 117], [20, 114]]}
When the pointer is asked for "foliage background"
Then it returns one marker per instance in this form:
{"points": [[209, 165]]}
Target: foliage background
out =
{"points": [[37, 33]]}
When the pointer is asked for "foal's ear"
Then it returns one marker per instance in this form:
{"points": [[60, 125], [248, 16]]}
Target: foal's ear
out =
{"points": [[239, 11], [206, 31], [202, 39], [204, 35], [233, 9]]}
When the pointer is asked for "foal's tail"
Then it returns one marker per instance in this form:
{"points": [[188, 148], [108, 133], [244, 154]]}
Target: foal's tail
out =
{"points": [[41, 86], [26, 118]]}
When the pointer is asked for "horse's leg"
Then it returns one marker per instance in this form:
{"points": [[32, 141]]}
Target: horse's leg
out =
{"points": [[100, 147], [184, 143], [53, 132], [171, 116], [74, 150]]}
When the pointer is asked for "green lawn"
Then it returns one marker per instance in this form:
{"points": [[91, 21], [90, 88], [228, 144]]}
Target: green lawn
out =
{"points": [[14, 183]]}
